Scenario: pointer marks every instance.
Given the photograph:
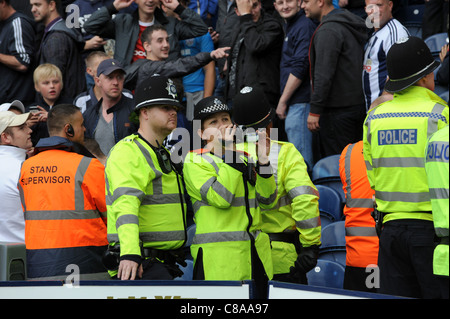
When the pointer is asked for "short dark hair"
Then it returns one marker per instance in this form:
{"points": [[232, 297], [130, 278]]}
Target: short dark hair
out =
{"points": [[59, 116], [146, 35]]}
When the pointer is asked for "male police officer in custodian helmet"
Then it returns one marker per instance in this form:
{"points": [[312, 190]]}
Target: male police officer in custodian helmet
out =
{"points": [[294, 224], [144, 193], [395, 137]]}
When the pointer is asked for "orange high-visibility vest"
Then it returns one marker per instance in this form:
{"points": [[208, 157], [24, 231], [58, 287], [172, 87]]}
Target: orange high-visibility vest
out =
{"points": [[360, 234], [63, 198]]}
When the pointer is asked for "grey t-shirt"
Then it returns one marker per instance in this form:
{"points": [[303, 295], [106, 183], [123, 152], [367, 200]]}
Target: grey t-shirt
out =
{"points": [[104, 134]]}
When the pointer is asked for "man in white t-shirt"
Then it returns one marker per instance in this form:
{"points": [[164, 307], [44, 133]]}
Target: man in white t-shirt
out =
{"points": [[15, 140], [387, 31]]}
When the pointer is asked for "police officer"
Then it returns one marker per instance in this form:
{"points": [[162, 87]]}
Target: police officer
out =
{"points": [[293, 224], [395, 135], [227, 190], [144, 193], [436, 165]]}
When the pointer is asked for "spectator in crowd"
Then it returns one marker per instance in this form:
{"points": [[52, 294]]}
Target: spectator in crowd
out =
{"points": [[63, 197], [442, 73], [48, 83], [255, 52], [354, 6], [17, 41], [386, 32], [293, 105], [60, 45], [144, 185], [337, 100], [127, 29], [108, 120], [395, 135], [228, 244], [435, 17], [293, 225], [91, 97], [157, 47], [15, 140], [222, 36]]}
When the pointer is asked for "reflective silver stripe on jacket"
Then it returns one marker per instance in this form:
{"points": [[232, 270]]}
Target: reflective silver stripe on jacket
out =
{"points": [[237, 202], [217, 237], [360, 231], [147, 237], [350, 201], [439, 193]]}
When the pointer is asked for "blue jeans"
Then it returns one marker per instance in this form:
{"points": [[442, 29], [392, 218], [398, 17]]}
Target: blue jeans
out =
{"points": [[298, 133]]}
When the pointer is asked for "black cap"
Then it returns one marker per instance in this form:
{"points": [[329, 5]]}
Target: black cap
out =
{"points": [[209, 106], [156, 90], [108, 66], [251, 108], [408, 61]]}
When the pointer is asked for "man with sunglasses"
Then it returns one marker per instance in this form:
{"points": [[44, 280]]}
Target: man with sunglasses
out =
{"points": [[144, 194]]}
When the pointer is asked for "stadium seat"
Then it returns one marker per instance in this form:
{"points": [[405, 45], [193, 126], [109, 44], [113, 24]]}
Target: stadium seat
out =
{"points": [[333, 243], [436, 42], [188, 271], [326, 172], [330, 205], [13, 261], [326, 274]]}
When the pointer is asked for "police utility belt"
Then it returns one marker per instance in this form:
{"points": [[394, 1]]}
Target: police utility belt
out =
{"points": [[111, 257]]}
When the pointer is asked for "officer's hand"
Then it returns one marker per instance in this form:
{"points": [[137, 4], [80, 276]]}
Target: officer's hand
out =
{"points": [[128, 270], [263, 147], [227, 133], [306, 260]]}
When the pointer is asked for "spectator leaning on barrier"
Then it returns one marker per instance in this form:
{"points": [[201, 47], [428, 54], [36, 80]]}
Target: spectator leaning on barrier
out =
{"points": [[227, 194], [293, 225], [63, 197], [395, 136], [15, 141]]}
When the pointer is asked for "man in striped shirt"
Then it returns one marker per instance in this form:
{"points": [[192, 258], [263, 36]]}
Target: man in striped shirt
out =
{"points": [[386, 31], [17, 36]]}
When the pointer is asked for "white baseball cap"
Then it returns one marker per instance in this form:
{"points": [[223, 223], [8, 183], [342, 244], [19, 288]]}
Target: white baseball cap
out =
{"points": [[8, 119], [16, 103]]}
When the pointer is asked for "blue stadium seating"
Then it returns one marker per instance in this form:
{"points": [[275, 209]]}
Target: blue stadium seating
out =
{"points": [[436, 42], [333, 243], [327, 273], [330, 205], [188, 270], [326, 172]]}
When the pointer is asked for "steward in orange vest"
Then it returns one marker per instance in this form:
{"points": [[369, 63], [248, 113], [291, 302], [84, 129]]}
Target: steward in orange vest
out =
{"points": [[63, 198], [360, 234]]}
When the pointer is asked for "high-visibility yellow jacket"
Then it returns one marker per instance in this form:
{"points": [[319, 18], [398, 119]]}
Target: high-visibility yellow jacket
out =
{"points": [[296, 209], [227, 217], [436, 165], [395, 135], [361, 238], [145, 206]]}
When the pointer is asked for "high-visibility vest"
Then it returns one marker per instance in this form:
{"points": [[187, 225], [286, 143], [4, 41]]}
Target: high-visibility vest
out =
{"points": [[395, 135], [227, 217], [361, 238], [436, 165], [296, 212], [63, 199], [146, 206]]}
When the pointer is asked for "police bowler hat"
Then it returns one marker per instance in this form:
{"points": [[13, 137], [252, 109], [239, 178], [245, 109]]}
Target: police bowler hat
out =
{"points": [[408, 61], [251, 108], [156, 90], [208, 106]]}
